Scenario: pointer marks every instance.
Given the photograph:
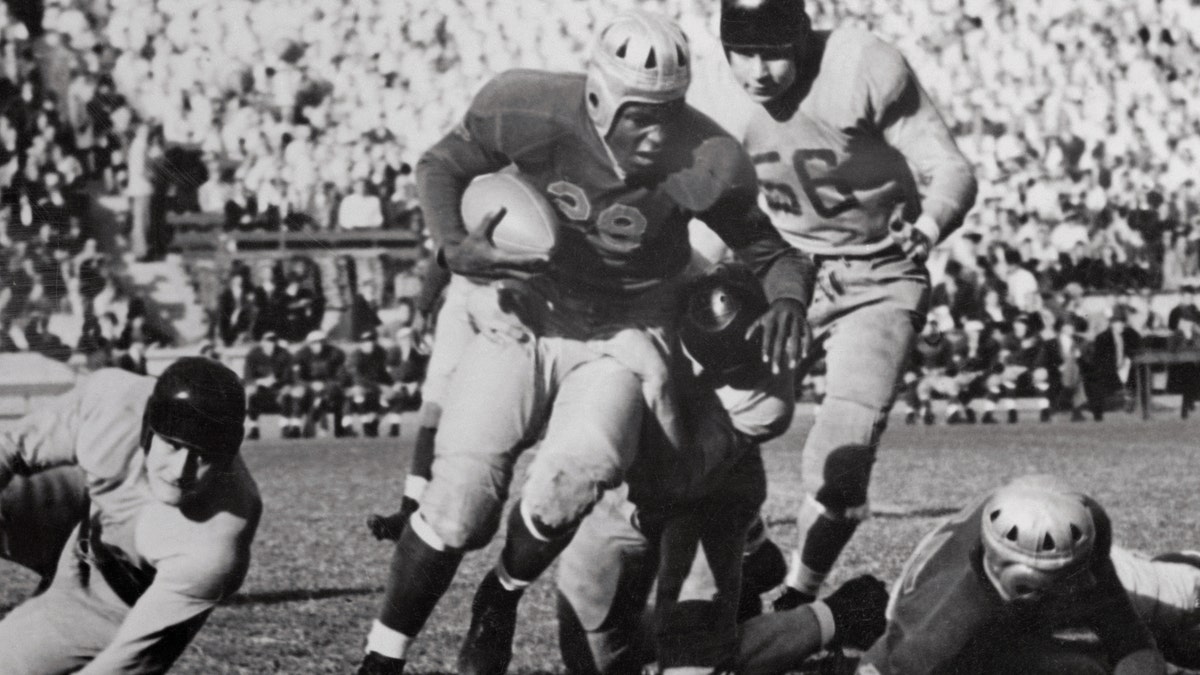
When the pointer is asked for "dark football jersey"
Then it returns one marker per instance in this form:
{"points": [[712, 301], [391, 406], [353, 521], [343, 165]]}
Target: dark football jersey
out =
{"points": [[616, 234], [945, 616]]}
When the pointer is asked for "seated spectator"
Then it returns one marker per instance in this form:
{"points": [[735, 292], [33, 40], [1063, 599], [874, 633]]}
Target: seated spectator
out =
{"points": [[317, 390], [1187, 303], [266, 372], [360, 210], [132, 358], [406, 362], [1184, 378], [241, 209], [367, 380], [142, 329]]}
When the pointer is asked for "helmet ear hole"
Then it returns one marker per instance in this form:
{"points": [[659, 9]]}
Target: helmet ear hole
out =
{"points": [[621, 51], [1012, 533], [651, 61], [1048, 543], [1076, 533], [593, 100], [679, 54]]}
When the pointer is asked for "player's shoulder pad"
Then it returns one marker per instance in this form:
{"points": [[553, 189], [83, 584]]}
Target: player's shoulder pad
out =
{"points": [[876, 69], [109, 386]]}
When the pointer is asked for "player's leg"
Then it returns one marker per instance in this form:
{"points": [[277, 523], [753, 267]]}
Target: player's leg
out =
{"points": [[454, 333], [591, 438], [869, 341], [62, 629], [491, 415], [1165, 592], [700, 568], [604, 579]]}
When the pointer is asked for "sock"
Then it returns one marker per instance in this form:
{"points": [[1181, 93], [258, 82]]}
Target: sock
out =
{"points": [[821, 542], [527, 553], [825, 621], [418, 577], [421, 464], [387, 642]]}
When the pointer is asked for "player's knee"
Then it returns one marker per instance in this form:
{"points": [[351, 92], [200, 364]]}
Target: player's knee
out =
{"points": [[466, 535], [558, 496]]}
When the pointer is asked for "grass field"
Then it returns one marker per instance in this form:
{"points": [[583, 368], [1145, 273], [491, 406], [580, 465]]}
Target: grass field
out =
{"points": [[317, 574]]}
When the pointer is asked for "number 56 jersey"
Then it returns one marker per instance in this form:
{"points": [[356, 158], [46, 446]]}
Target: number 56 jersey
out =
{"points": [[860, 145]]}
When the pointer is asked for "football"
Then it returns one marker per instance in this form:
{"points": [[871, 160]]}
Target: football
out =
{"points": [[530, 224]]}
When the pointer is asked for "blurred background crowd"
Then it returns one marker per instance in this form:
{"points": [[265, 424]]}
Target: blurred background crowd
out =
{"points": [[1082, 118]]}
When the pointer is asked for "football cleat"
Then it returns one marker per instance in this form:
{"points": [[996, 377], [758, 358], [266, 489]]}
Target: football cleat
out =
{"points": [[487, 648], [389, 527], [378, 664], [859, 609], [1182, 557]]}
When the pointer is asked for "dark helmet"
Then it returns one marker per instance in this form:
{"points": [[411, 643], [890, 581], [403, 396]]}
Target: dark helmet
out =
{"points": [[763, 23], [199, 403], [718, 308]]}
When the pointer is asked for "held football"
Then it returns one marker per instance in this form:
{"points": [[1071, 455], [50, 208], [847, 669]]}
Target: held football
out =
{"points": [[530, 224]]}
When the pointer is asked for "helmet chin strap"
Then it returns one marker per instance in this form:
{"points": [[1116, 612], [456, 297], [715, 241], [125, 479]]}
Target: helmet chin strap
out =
{"points": [[608, 151]]}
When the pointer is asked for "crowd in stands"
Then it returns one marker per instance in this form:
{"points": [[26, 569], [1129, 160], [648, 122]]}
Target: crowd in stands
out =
{"points": [[55, 153], [1080, 117]]}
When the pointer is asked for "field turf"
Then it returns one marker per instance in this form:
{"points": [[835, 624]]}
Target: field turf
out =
{"points": [[317, 574]]}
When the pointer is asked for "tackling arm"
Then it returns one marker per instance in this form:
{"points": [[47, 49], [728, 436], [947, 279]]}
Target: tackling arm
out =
{"points": [[42, 439]]}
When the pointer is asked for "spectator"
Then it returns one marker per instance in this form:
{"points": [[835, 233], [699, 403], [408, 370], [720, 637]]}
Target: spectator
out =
{"points": [[360, 210], [266, 372], [237, 307], [1184, 378], [297, 306], [1110, 364], [1187, 303]]}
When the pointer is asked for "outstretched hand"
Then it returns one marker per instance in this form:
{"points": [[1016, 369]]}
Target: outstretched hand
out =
{"points": [[783, 328], [478, 256]]}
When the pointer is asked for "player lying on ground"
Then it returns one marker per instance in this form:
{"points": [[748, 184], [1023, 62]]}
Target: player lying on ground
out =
{"points": [[627, 164], [844, 140], [992, 589], [694, 546], [167, 536]]}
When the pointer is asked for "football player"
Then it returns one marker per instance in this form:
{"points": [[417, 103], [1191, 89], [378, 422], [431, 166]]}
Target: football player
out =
{"points": [[694, 546], [987, 590], [627, 164], [856, 168], [173, 511]]}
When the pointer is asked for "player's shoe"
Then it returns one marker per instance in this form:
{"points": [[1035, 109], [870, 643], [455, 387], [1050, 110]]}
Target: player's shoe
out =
{"points": [[389, 527], [988, 418], [487, 648], [252, 434], [955, 417], [377, 664], [910, 417], [762, 570], [394, 431], [1012, 416], [970, 413], [791, 598], [859, 607], [929, 418]]}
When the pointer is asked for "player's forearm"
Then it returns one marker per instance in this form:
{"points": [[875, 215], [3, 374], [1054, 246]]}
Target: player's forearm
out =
{"points": [[433, 282], [41, 440], [945, 178], [443, 174], [778, 642], [156, 631]]}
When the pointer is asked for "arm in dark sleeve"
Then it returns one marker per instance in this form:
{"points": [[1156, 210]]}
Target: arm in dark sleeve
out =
{"points": [[785, 271], [433, 282], [1126, 639], [487, 139], [911, 124]]}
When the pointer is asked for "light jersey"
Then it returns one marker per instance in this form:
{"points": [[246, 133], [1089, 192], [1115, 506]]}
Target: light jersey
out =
{"points": [[945, 616], [863, 148], [616, 236], [194, 561]]}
